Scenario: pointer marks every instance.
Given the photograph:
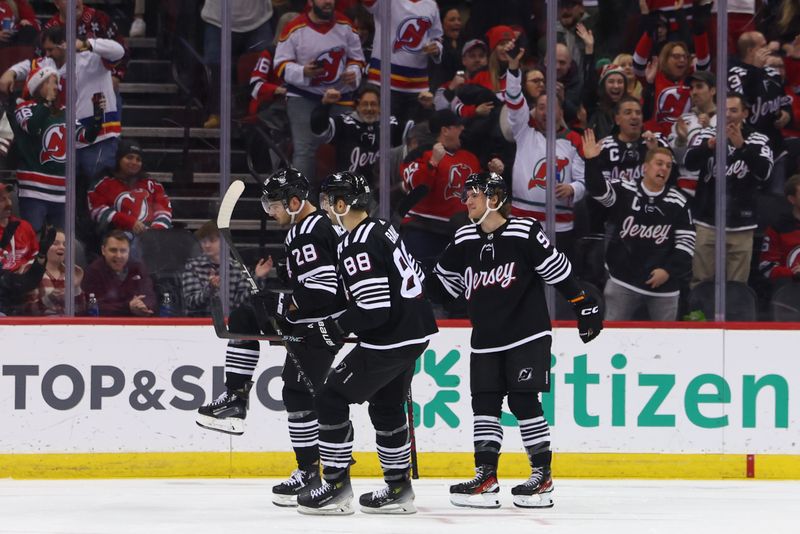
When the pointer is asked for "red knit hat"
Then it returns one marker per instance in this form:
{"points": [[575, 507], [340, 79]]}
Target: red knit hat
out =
{"points": [[497, 34]]}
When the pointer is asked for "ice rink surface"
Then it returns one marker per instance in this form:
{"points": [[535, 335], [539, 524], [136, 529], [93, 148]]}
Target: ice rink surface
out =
{"points": [[206, 506]]}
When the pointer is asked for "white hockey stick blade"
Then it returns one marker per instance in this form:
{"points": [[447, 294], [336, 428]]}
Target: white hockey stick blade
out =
{"points": [[228, 203]]}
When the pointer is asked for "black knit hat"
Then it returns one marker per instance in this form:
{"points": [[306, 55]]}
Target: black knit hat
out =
{"points": [[128, 146]]}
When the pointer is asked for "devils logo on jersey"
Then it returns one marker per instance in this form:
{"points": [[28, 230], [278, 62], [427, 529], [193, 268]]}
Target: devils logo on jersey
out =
{"points": [[455, 180], [331, 61], [133, 203], [793, 258], [539, 178], [411, 34], [672, 103], [54, 144]]}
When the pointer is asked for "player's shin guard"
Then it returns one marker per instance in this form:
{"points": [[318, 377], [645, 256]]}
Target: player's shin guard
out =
{"points": [[537, 491]]}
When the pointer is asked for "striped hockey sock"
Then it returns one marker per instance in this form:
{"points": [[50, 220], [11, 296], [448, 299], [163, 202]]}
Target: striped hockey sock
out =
{"points": [[488, 438]]}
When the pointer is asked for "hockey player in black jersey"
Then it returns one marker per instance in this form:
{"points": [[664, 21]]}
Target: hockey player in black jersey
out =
{"points": [[315, 295], [651, 249], [500, 264], [394, 322]]}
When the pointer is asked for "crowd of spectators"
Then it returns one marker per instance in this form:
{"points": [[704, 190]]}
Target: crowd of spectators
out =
{"points": [[635, 118]]}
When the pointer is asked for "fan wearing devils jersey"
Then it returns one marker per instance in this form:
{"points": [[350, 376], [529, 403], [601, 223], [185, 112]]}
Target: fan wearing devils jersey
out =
{"points": [[264, 84], [39, 126], [761, 87], [442, 170], [652, 245], [669, 93], [317, 50], [529, 188], [416, 31], [780, 251], [127, 199], [501, 265], [749, 163], [355, 135]]}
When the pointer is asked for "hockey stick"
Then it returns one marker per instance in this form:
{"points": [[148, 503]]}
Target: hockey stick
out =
{"points": [[407, 202], [223, 223], [412, 434]]}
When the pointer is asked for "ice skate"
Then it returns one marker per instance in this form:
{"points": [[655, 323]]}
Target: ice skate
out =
{"points": [[536, 492], [301, 480], [226, 413], [393, 498], [483, 491], [331, 498]]}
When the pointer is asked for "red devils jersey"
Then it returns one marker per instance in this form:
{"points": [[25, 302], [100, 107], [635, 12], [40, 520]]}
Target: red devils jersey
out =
{"points": [[670, 97], [263, 82], [780, 250], [445, 182], [121, 204], [21, 248]]}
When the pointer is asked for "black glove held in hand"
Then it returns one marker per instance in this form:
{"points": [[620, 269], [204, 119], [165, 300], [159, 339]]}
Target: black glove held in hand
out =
{"points": [[46, 238], [325, 334], [590, 317]]}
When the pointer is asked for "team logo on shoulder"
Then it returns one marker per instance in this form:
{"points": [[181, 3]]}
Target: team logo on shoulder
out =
{"points": [[525, 374], [539, 178], [54, 144], [331, 60], [411, 33]]}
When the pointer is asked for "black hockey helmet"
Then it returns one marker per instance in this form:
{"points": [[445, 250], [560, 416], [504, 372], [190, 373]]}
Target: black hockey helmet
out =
{"points": [[349, 186], [284, 184], [488, 183]]}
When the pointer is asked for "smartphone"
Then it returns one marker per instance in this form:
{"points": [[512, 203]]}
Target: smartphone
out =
{"points": [[514, 51], [319, 64]]}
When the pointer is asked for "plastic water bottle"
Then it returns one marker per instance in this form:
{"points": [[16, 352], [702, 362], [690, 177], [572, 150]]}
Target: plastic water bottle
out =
{"points": [[94, 308], [165, 310]]}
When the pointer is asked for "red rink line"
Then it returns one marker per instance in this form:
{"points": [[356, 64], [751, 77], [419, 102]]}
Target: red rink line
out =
{"points": [[444, 323], [751, 466]]}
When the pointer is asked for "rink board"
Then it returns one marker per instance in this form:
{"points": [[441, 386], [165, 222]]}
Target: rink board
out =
{"points": [[79, 400]]}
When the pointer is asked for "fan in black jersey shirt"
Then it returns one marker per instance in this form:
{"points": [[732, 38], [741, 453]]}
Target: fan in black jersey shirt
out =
{"points": [[500, 264]]}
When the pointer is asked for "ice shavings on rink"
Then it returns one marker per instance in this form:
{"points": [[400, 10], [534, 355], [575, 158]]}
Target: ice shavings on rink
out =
{"points": [[211, 506]]}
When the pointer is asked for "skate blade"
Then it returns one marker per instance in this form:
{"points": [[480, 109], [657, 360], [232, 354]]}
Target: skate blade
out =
{"points": [[230, 425], [541, 500], [284, 501], [401, 508], [483, 500], [345, 508]]}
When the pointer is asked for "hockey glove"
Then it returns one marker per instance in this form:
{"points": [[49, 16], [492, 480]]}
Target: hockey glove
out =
{"points": [[590, 317], [325, 334], [271, 305]]}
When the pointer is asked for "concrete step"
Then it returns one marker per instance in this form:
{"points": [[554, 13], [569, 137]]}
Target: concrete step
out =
{"points": [[148, 88], [159, 115], [199, 177], [199, 160], [149, 71]]}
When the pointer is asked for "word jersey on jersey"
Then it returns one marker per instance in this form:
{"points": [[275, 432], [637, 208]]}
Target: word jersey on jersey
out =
{"points": [[502, 276]]}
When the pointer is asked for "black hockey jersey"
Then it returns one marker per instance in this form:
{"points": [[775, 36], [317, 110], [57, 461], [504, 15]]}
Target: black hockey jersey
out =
{"points": [[746, 167], [384, 287], [502, 276], [356, 142], [311, 256], [620, 161], [764, 94], [649, 232]]}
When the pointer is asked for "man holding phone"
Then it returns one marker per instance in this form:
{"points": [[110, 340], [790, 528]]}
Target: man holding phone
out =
{"points": [[317, 50]]}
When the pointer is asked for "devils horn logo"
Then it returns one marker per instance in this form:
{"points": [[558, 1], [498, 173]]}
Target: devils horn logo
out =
{"points": [[411, 34], [54, 144], [539, 178], [332, 61]]}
